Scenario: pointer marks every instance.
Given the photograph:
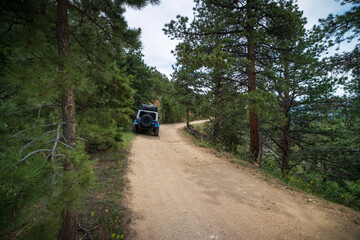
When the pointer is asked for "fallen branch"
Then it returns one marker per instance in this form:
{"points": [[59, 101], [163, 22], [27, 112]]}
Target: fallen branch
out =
{"points": [[86, 231]]}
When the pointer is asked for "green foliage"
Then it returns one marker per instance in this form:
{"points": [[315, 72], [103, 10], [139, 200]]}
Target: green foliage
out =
{"points": [[346, 193], [150, 86], [171, 110], [143, 79], [305, 130], [35, 187], [231, 49], [34, 190], [106, 110], [99, 207], [343, 141]]}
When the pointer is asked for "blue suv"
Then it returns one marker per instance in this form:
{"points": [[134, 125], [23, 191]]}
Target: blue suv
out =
{"points": [[147, 118]]}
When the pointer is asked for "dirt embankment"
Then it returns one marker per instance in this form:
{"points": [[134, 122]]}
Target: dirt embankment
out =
{"points": [[180, 191]]}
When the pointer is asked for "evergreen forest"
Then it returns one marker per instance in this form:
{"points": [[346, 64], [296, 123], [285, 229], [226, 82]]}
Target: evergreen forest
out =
{"points": [[73, 77]]}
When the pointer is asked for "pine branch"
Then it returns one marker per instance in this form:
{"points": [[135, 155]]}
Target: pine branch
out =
{"points": [[42, 150], [66, 145], [45, 105], [8, 94], [273, 139], [69, 105], [231, 7], [36, 151], [53, 181], [82, 139], [16, 134], [87, 53], [54, 124], [42, 126], [39, 113], [55, 143], [91, 19], [296, 163], [30, 144], [273, 152]]}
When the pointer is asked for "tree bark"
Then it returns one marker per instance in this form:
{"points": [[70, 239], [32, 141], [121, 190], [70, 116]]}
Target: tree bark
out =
{"points": [[84, 107], [286, 142], [286, 136], [217, 101], [68, 228], [68, 114], [253, 118], [187, 117]]}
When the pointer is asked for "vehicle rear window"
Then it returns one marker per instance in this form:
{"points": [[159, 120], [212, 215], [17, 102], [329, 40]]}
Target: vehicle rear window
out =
{"points": [[153, 115]]}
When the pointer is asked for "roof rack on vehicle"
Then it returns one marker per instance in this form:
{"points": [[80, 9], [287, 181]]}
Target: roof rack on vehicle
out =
{"points": [[149, 107]]}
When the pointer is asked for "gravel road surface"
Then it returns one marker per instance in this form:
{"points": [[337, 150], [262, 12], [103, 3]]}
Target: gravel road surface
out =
{"points": [[180, 191]]}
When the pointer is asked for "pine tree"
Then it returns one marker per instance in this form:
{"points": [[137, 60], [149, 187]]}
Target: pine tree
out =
{"points": [[55, 56], [206, 70], [345, 145], [284, 68], [242, 27], [183, 79]]}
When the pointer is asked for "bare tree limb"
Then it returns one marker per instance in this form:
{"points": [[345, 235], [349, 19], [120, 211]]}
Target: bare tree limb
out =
{"points": [[7, 94], [28, 144], [66, 145], [53, 180], [55, 143], [43, 126], [82, 139], [42, 106], [69, 105], [36, 151], [39, 113], [16, 134]]}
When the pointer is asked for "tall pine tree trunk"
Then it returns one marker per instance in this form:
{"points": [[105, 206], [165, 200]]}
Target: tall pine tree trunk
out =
{"points": [[253, 118], [217, 114], [286, 136], [286, 149], [68, 109], [187, 117], [286, 128], [84, 108]]}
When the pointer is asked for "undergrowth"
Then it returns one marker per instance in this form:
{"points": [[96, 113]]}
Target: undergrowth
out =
{"points": [[102, 214], [347, 194]]}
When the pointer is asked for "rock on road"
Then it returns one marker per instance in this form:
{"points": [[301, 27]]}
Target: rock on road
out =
{"points": [[180, 191]]}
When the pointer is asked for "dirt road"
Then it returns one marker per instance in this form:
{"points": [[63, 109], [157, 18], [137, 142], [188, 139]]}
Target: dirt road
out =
{"points": [[181, 191]]}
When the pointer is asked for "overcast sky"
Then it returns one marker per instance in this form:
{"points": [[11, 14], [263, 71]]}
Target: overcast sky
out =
{"points": [[157, 46]]}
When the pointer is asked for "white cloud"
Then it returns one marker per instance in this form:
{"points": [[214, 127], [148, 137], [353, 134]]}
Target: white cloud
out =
{"points": [[316, 9], [152, 19], [157, 47]]}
